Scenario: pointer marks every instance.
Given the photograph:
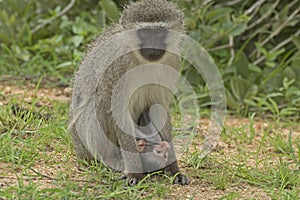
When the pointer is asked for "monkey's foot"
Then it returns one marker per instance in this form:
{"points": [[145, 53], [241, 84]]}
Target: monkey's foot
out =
{"points": [[132, 179], [181, 179]]}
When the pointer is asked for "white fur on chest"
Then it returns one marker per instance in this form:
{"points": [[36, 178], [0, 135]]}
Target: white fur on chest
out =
{"points": [[151, 84]]}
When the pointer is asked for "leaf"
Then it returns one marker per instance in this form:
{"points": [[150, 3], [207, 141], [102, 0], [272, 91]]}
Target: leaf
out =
{"points": [[238, 29], [265, 8], [205, 29], [290, 73], [65, 22], [77, 40], [287, 83], [261, 49], [241, 63], [275, 94], [230, 101], [4, 36], [254, 68], [252, 91], [288, 111], [101, 18], [250, 102], [272, 55], [238, 87], [12, 20], [78, 29], [217, 14], [65, 64], [296, 41], [193, 77], [111, 9], [274, 106], [270, 64], [4, 19]]}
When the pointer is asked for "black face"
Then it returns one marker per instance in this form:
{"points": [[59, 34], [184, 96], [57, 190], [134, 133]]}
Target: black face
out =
{"points": [[152, 42]]}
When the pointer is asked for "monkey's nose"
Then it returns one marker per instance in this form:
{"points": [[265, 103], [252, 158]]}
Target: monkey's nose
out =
{"points": [[152, 54]]}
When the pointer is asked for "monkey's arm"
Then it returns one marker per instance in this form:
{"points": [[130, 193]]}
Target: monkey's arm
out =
{"points": [[172, 165]]}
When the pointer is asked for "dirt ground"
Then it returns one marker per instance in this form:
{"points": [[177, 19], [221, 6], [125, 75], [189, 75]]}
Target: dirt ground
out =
{"points": [[198, 189]]}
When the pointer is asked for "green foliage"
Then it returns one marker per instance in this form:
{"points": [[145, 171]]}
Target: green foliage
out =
{"points": [[40, 38], [110, 9], [257, 49], [255, 45]]}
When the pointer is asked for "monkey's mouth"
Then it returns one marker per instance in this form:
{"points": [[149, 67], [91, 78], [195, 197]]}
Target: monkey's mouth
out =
{"points": [[152, 54]]}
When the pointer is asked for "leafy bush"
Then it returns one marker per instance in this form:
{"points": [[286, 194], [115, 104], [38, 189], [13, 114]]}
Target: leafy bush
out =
{"points": [[254, 43], [256, 46], [45, 38]]}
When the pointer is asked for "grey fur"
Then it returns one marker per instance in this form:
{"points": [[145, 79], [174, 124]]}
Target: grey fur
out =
{"points": [[94, 130]]}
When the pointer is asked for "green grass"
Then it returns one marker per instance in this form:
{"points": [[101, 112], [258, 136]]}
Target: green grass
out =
{"points": [[37, 156], [253, 160], [37, 162]]}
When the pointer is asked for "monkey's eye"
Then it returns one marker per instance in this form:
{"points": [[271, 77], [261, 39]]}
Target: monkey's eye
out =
{"points": [[145, 31], [158, 30], [161, 32], [158, 151]]}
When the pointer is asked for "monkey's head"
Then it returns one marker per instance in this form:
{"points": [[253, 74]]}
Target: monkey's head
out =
{"points": [[153, 21], [154, 154]]}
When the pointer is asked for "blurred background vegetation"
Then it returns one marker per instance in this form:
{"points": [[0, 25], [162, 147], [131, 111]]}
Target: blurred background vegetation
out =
{"points": [[255, 44]]}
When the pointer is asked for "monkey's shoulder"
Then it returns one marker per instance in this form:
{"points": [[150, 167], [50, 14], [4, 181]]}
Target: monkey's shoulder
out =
{"points": [[104, 35]]}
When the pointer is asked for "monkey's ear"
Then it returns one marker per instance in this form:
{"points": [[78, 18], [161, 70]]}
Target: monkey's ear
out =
{"points": [[141, 145]]}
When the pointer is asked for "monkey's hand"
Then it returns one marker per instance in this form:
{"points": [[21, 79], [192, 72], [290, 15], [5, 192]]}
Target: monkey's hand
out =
{"points": [[181, 179], [132, 179]]}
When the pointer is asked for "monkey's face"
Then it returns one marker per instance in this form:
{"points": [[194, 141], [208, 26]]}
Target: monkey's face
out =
{"points": [[154, 154], [152, 42]]}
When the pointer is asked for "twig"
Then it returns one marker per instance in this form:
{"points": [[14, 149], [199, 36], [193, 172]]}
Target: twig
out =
{"points": [[42, 175], [232, 53], [278, 46], [226, 46], [279, 28], [207, 2], [48, 21], [264, 16], [257, 31], [254, 6], [57, 179], [284, 42], [266, 26], [254, 13], [230, 3]]}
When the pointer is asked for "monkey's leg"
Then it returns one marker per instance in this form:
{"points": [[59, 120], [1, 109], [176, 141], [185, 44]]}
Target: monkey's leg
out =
{"points": [[131, 159], [147, 128], [80, 149], [180, 178], [172, 167]]}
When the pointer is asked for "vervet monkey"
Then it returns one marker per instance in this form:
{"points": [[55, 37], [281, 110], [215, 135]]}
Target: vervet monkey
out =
{"points": [[148, 145]]}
